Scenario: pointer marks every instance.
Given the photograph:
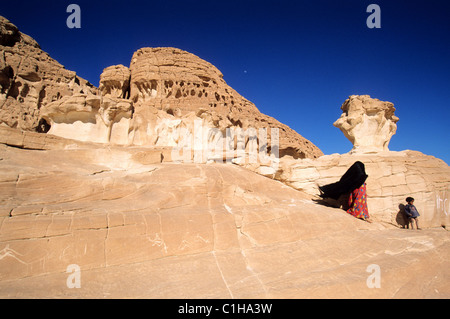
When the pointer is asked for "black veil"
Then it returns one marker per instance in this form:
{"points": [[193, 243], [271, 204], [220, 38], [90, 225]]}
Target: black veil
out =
{"points": [[351, 180]]}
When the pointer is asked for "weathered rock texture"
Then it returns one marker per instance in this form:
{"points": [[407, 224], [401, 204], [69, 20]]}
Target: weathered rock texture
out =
{"points": [[89, 118], [164, 230], [161, 100], [115, 82], [158, 100], [30, 79], [393, 176], [368, 123]]}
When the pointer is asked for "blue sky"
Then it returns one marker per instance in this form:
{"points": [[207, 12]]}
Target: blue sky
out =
{"points": [[298, 61]]}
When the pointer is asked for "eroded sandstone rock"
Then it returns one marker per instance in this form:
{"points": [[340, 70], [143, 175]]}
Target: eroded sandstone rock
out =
{"points": [[30, 79], [140, 226], [115, 81], [137, 104], [89, 118], [368, 123], [180, 83], [170, 93]]}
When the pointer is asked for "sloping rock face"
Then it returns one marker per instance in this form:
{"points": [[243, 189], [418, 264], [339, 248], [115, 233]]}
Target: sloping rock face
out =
{"points": [[118, 226], [368, 123], [164, 98], [30, 79]]}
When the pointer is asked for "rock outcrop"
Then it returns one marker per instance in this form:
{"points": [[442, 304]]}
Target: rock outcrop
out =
{"points": [[115, 82], [168, 94], [89, 118], [30, 79], [165, 91], [368, 123]]}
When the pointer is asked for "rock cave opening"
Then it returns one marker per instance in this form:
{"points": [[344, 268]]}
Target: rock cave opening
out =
{"points": [[43, 126]]}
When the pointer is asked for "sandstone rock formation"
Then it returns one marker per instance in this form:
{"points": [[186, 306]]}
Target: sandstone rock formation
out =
{"points": [[166, 93], [141, 229], [165, 90], [89, 118], [368, 123], [393, 176], [105, 191], [30, 79], [115, 82]]}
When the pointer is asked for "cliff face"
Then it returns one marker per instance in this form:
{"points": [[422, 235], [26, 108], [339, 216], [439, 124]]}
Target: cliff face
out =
{"points": [[137, 225], [30, 79]]}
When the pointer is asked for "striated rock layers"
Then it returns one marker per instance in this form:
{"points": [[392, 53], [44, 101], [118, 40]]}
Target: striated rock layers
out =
{"points": [[368, 123], [30, 79]]}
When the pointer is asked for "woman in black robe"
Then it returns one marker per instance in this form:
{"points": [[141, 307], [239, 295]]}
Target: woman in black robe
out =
{"points": [[352, 179], [352, 183]]}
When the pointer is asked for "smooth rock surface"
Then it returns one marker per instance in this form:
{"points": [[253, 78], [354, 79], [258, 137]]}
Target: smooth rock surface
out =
{"points": [[166, 230]]}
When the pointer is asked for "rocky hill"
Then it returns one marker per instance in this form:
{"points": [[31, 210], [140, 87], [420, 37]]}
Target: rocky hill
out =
{"points": [[164, 90]]}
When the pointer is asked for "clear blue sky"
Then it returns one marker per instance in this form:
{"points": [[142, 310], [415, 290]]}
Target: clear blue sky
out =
{"points": [[296, 60]]}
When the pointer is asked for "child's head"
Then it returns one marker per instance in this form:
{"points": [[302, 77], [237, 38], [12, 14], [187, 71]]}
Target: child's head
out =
{"points": [[409, 200]]}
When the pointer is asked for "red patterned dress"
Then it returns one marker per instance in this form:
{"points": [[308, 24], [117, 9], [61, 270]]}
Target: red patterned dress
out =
{"points": [[358, 203]]}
